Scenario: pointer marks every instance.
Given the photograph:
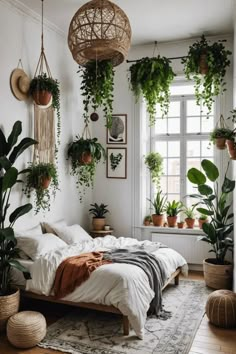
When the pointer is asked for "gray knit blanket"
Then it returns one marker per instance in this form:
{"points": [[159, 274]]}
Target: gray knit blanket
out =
{"points": [[142, 257]]}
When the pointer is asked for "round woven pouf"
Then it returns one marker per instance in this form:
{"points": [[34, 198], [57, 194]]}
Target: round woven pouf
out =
{"points": [[26, 329], [221, 308]]}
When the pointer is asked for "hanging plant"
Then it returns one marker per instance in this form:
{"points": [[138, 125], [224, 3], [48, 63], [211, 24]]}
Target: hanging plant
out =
{"points": [[42, 178], [151, 77], [206, 65], [85, 154], [97, 88], [154, 162]]}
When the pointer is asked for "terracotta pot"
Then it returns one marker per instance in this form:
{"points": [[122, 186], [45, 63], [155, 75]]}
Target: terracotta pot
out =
{"points": [[203, 66], [45, 181], [146, 223], [218, 276], [180, 225], [42, 98], [220, 143], [158, 220], [9, 305], [231, 149], [85, 158], [201, 222], [98, 223], [190, 223], [171, 220]]}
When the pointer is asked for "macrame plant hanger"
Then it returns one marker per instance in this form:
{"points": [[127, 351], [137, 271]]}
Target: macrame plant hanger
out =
{"points": [[44, 121]]}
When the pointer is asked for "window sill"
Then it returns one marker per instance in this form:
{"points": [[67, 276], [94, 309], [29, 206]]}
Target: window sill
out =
{"points": [[171, 230]]}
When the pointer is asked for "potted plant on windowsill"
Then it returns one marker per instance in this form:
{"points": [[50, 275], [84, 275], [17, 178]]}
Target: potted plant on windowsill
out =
{"points": [[219, 136], [154, 162], [85, 154], [41, 179], [201, 220], [209, 79], [180, 224], [152, 77], [190, 217], [98, 212], [216, 205], [147, 220], [9, 178], [172, 210], [158, 203]]}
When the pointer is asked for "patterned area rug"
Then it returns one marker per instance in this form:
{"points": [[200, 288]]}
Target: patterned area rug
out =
{"points": [[92, 332]]}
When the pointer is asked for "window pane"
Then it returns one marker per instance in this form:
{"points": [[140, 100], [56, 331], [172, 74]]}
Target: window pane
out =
{"points": [[163, 183], [161, 126], [207, 149], [173, 148], [193, 148], [174, 109], [193, 162], [207, 124], [165, 166], [172, 197], [187, 89], [193, 125], [161, 147], [192, 108], [174, 167], [173, 125], [173, 185], [204, 110]]}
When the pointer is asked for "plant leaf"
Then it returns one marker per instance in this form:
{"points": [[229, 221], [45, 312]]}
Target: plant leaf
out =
{"points": [[21, 147], [9, 178], [18, 212], [16, 131], [196, 177], [205, 211], [204, 189], [210, 169]]}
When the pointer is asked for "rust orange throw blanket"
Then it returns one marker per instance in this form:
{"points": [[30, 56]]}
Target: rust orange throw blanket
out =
{"points": [[75, 270]]}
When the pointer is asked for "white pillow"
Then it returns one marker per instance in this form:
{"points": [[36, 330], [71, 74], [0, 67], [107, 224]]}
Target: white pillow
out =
{"points": [[36, 230], [36, 246], [72, 234], [49, 227]]}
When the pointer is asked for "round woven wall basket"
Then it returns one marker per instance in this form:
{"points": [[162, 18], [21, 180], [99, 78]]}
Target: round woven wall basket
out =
{"points": [[100, 30], [221, 308]]}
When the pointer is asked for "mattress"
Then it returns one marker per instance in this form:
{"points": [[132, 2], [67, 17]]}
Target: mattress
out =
{"points": [[17, 277]]}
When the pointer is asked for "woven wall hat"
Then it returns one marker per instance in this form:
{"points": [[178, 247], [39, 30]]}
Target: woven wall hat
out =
{"points": [[20, 84]]}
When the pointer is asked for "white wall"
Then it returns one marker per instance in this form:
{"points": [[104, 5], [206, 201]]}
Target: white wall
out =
{"points": [[20, 38], [234, 163], [123, 196]]}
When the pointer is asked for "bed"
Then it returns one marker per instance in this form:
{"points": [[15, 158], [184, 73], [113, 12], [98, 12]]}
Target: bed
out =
{"points": [[118, 288]]}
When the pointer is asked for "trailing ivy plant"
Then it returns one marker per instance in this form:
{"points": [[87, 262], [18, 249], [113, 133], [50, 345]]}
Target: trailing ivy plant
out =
{"points": [[151, 77], [115, 160], [154, 162], [212, 82], [97, 88]]}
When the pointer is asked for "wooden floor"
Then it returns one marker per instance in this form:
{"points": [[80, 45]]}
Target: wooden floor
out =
{"points": [[208, 340]]}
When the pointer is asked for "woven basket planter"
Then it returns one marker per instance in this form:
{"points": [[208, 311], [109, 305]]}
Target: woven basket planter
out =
{"points": [[99, 223], [99, 30], [9, 305], [218, 276], [221, 308], [26, 329]]}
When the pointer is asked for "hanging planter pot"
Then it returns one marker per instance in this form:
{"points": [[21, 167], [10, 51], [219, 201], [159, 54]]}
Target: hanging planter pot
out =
{"points": [[45, 182], [42, 98], [231, 145], [220, 134], [203, 66], [85, 158]]}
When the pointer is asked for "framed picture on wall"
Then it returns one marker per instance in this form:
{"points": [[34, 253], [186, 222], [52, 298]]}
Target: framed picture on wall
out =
{"points": [[117, 133], [116, 162]]}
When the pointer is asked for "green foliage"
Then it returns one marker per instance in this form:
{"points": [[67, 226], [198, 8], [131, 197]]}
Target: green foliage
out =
{"points": [[210, 84], [44, 83], [154, 162], [159, 203], [148, 218], [214, 203], [151, 77], [189, 212], [115, 160], [173, 208], [97, 88], [85, 173], [220, 133], [9, 152], [98, 211], [36, 174], [202, 217]]}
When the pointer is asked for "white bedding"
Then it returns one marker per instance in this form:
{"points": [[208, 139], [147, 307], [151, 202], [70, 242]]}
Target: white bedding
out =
{"points": [[124, 286]]}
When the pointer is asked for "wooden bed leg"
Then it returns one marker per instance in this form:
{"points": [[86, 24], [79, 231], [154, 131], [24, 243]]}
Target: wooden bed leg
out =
{"points": [[125, 325], [177, 279]]}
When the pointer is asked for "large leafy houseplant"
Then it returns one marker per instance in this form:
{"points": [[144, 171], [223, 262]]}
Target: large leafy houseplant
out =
{"points": [[151, 77], [41, 179], [154, 162], [85, 154], [206, 64], [9, 178], [97, 88], [44, 83]]}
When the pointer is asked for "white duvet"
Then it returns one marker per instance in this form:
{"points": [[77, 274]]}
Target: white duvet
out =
{"points": [[124, 286]]}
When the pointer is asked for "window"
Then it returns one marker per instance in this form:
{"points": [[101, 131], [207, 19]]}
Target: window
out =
{"points": [[182, 139]]}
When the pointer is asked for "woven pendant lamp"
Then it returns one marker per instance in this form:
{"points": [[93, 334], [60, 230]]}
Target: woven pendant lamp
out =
{"points": [[99, 30]]}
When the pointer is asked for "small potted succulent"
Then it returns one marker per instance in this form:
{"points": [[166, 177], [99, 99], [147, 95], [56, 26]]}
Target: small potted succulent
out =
{"points": [[180, 224], [41, 179], [219, 136], [158, 203], [190, 216], [154, 162], [172, 210], [98, 212], [147, 220], [201, 220]]}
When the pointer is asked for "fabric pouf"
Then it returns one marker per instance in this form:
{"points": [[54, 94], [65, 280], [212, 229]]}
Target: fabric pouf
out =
{"points": [[221, 308], [26, 329]]}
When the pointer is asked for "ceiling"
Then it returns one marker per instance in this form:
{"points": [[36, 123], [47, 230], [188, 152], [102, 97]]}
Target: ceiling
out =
{"points": [[153, 20]]}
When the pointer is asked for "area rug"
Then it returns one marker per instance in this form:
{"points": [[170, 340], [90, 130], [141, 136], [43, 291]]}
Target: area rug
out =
{"points": [[92, 332]]}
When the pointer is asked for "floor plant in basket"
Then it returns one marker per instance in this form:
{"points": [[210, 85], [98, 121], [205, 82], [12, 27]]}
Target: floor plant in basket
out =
{"points": [[10, 177]]}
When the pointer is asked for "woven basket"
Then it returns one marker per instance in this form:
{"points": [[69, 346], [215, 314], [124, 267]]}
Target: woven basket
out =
{"points": [[218, 276], [9, 305], [26, 329], [99, 30], [221, 308]]}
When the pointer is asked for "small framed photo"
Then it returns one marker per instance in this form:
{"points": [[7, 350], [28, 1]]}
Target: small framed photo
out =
{"points": [[116, 162], [117, 133]]}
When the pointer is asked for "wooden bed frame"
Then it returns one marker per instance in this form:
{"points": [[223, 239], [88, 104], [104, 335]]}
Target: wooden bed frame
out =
{"points": [[98, 307]]}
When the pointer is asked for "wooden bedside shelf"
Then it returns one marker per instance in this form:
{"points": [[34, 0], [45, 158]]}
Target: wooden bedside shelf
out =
{"points": [[100, 233]]}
